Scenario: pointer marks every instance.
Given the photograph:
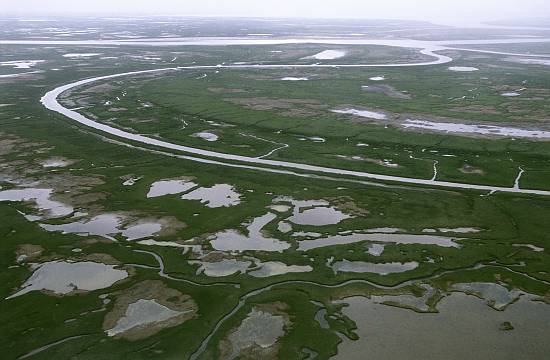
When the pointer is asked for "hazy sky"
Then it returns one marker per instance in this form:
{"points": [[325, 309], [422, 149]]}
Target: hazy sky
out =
{"points": [[442, 10]]}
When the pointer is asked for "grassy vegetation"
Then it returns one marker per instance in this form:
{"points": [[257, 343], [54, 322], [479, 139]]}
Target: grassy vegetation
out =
{"points": [[255, 102], [183, 104]]}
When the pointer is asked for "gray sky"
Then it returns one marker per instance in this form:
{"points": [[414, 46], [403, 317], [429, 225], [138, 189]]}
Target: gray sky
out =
{"points": [[440, 10]]}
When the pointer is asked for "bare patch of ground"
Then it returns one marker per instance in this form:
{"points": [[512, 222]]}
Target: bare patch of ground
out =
{"points": [[10, 144], [215, 256], [471, 170], [130, 179], [257, 336], [387, 90], [218, 90], [102, 258], [30, 172], [289, 107], [348, 206], [169, 224], [56, 162], [181, 306], [28, 252], [73, 189]]}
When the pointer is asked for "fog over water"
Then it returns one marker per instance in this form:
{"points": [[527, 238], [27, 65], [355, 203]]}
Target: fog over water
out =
{"points": [[449, 11]]}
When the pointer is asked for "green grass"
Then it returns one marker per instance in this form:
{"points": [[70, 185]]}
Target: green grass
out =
{"points": [[37, 319]]}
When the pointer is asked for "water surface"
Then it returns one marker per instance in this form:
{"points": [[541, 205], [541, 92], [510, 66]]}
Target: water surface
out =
{"points": [[352, 238], [259, 328], [220, 195], [464, 328], [225, 267], [275, 268], [140, 313], [62, 277], [255, 240], [169, 187], [42, 199], [378, 268], [362, 113]]}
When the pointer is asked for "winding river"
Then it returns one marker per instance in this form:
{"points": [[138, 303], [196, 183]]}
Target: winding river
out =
{"points": [[429, 48], [50, 101]]}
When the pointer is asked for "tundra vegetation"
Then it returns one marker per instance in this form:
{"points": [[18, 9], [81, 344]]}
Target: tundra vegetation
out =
{"points": [[112, 248]]}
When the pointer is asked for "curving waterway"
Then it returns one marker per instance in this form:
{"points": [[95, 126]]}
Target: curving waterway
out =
{"points": [[50, 101]]}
